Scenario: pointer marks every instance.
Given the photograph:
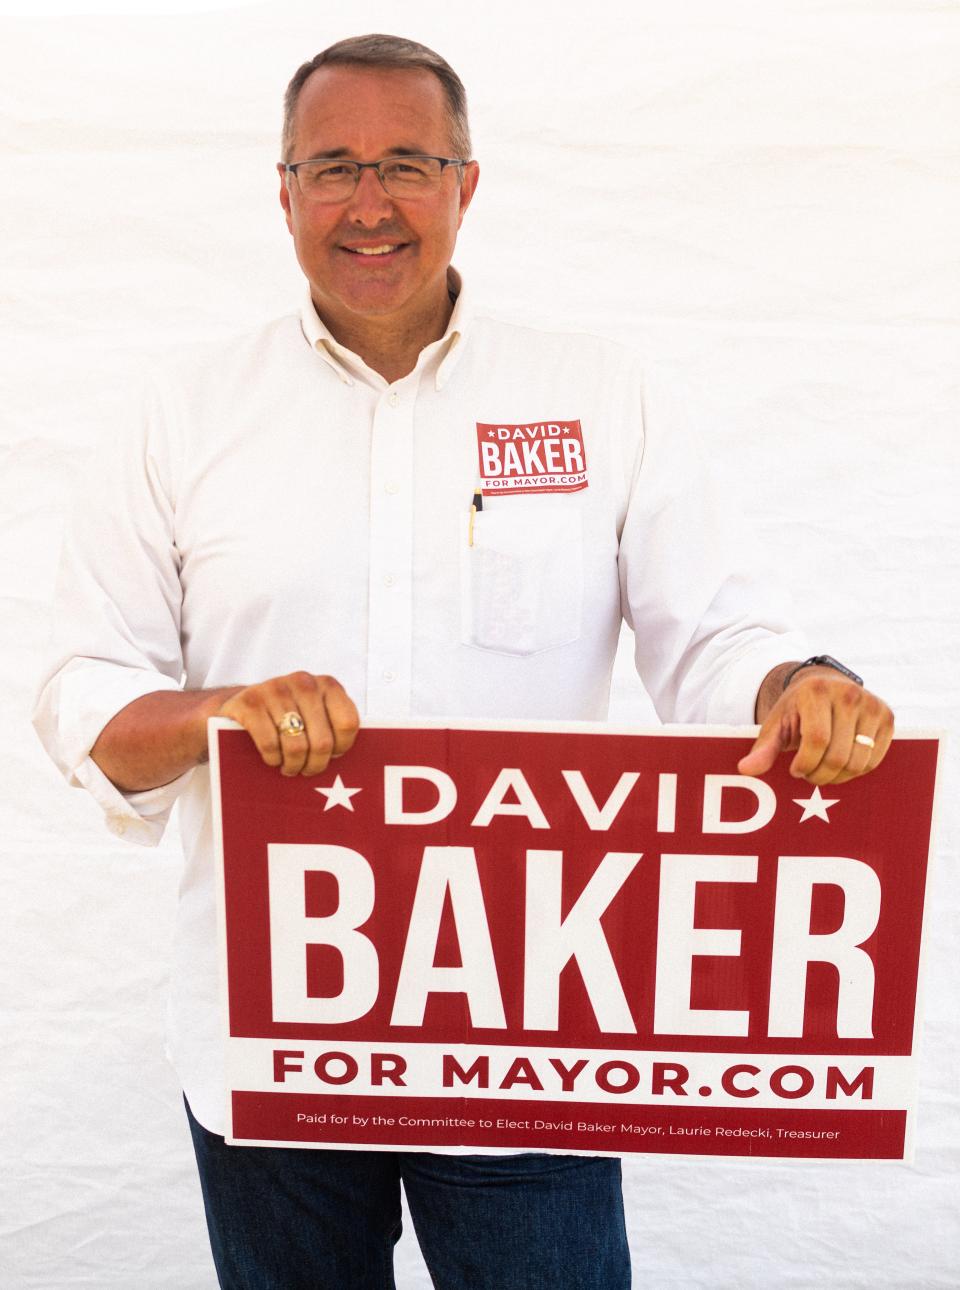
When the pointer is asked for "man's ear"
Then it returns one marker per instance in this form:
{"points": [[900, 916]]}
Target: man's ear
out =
{"points": [[468, 186], [285, 196]]}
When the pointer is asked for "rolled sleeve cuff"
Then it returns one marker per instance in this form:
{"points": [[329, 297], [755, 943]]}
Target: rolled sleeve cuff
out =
{"points": [[732, 702], [72, 709], [135, 817], [90, 693]]}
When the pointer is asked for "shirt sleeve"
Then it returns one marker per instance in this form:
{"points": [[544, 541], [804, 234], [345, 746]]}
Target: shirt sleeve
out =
{"points": [[116, 614], [708, 623]]}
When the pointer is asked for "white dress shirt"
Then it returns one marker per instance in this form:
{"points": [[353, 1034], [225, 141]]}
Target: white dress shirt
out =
{"points": [[276, 505]]}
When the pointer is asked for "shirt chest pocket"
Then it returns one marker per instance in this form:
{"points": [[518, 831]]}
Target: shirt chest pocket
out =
{"points": [[521, 580]]}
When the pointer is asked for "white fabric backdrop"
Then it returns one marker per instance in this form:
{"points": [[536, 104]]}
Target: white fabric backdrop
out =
{"points": [[764, 197]]}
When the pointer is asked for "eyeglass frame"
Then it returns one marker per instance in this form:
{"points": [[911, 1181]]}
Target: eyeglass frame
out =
{"points": [[291, 168]]}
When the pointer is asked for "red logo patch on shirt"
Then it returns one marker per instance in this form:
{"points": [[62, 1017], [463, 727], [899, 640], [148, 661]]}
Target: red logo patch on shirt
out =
{"points": [[540, 457]]}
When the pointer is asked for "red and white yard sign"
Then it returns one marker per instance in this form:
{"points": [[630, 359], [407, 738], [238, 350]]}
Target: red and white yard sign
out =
{"points": [[571, 939]]}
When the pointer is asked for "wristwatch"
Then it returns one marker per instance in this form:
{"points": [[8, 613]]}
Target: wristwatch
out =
{"points": [[822, 660]]}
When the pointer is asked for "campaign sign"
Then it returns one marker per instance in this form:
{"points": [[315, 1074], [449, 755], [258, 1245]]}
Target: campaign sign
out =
{"points": [[571, 939], [542, 457]]}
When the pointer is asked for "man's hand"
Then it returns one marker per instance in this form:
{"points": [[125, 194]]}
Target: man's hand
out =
{"points": [[330, 720], [820, 714], [160, 736]]}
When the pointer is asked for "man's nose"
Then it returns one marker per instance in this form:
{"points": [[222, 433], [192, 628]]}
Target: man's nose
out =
{"points": [[370, 203]]}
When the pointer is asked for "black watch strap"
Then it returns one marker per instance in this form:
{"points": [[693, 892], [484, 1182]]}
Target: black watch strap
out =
{"points": [[822, 660]]}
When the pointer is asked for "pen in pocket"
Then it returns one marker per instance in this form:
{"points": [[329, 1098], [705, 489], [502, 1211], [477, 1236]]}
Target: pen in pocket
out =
{"points": [[475, 506]]}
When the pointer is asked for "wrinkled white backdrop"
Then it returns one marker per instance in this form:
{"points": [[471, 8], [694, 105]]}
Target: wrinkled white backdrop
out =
{"points": [[763, 196]]}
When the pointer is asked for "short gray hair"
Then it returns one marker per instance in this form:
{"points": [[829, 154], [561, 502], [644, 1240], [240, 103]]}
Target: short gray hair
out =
{"points": [[395, 53]]}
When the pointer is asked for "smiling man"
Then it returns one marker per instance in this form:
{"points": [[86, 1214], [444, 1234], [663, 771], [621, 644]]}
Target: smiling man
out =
{"points": [[376, 246], [459, 514]]}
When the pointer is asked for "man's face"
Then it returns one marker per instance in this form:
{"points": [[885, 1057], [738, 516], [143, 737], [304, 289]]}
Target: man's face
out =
{"points": [[365, 114]]}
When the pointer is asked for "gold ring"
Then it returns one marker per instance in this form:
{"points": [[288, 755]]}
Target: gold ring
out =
{"points": [[291, 723], [865, 740]]}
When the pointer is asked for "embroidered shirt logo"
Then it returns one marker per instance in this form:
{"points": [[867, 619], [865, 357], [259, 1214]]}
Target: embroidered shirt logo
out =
{"points": [[541, 457]]}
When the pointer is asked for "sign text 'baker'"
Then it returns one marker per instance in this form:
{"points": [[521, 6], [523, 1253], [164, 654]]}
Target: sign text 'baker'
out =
{"points": [[540, 456], [554, 936]]}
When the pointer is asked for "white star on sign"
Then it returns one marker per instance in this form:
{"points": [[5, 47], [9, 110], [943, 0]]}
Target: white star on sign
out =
{"points": [[338, 794], [815, 805]]}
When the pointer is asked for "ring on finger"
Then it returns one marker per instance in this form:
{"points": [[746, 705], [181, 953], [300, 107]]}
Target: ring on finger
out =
{"points": [[291, 723], [866, 740]]}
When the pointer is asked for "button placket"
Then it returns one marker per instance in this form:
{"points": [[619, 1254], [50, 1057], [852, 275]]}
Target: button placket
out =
{"points": [[390, 633]]}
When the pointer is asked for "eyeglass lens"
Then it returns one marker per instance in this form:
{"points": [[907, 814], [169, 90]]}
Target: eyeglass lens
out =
{"points": [[334, 181]]}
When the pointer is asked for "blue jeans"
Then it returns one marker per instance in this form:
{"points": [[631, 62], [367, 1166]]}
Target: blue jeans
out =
{"points": [[285, 1218]]}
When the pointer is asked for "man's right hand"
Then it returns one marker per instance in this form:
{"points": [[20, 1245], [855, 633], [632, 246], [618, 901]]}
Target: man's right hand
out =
{"points": [[160, 736], [329, 715]]}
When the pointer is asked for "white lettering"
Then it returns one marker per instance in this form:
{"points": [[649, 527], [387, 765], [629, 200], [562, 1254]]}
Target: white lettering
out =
{"points": [[512, 465], [679, 941], [554, 455], [532, 464], [452, 869], [551, 941], [491, 459], [713, 787], [526, 804], [598, 818], [393, 781], [667, 804], [292, 930], [795, 946], [572, 457]]}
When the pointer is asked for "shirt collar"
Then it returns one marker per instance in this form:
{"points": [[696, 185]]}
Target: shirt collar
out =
{"points": [[443, 353]]}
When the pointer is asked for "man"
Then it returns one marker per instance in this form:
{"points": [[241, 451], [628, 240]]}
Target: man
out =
{"points": [[299, 504]]}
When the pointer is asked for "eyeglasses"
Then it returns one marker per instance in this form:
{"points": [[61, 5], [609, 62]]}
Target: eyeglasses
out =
{"points": [[329, 180]]}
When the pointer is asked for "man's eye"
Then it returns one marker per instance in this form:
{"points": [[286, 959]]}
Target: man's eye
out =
{"points": [[320, 175], [406, 168]]}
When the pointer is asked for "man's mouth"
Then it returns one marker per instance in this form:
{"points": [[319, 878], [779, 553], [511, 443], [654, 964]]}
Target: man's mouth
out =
{"points": [[385, 248]]}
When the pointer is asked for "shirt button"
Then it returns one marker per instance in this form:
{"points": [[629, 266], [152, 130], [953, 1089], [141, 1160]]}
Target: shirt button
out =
{"points": [[389, 580], [391, 488], [394, 398], [389, 676]]}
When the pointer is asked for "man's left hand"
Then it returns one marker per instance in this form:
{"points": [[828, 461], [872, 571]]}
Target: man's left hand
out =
{"points": [[820, 714]]}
